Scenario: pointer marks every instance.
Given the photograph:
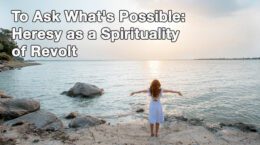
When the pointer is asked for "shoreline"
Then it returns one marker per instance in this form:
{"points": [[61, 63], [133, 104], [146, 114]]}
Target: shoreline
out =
{"points": [[171, 132], [11, 65], [38, 126]]}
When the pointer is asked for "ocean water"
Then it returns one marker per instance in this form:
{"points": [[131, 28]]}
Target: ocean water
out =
{"points": [[213, 90]]}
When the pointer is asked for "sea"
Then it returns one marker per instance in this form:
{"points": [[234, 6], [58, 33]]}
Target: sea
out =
{"points": [[214, 91]]}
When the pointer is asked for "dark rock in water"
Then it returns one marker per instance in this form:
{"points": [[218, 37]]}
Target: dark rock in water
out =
{"points": [[3, 95], [140, 110], [13, 108], [64, 93], [41, 119], [196, 121], [240, 126], [18, 123], [85, 121], [72, 115], [84, 90]]}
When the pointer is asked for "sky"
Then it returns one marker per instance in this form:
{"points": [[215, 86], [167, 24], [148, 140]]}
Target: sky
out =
{"points": [[213, 28]]}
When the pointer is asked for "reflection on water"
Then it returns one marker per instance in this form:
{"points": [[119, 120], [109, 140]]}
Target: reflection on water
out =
{"points": [[154, 68], [216, 91]]}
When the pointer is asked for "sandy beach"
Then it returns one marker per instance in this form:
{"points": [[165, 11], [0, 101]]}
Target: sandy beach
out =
{"points": [[174, 132]]}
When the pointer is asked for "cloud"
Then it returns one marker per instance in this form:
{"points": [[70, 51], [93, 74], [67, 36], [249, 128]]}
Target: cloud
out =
{"points": [[214, 8]]}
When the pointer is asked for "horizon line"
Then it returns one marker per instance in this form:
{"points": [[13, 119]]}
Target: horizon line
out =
{"points": [[217, 58]]}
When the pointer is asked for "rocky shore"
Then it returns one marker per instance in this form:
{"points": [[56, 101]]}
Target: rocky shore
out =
{"points": [[24, 122], [10, 65]]}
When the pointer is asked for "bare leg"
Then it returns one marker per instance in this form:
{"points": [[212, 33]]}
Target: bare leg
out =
{"points": [[157, 125], [151, 126]]}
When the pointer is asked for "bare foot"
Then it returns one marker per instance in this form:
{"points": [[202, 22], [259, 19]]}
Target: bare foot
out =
{"points": [[152, 135]]}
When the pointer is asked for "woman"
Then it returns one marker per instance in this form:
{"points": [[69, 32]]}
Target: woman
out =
{"points": [[155, 108]]}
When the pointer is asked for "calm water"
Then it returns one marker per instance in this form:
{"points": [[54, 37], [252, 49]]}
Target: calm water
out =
{"points": [[216, 91]]}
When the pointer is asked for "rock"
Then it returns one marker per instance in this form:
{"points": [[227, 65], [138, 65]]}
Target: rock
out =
{"points": [[212, 128], [84, 90], [13, 108], [72, 115], [5, 68], [240, 126], [85, 121], [171, 118], [36, 140], [3, 95], [41, 119], [18, 123], [196, 121], [7, 141], [140, 110], [181, 118]]}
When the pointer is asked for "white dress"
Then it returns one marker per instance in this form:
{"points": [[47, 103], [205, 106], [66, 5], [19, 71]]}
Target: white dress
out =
{"points": [[155, 110]]}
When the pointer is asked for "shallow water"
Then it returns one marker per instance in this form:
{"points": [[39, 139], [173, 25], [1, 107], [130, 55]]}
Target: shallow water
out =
{"points": [[214, 90]]}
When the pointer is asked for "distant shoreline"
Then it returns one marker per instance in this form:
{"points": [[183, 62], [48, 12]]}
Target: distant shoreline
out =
{"points": [[244, 58], [10, 65]]}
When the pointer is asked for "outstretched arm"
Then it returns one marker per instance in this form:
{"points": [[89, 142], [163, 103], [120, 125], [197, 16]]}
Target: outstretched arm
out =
{"points": [[137, 92], [171, 91]]}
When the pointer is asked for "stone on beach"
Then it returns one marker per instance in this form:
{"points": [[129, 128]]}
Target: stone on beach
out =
{"points": [[214, 128], [72, 115], [196, 121], [7, 141], [172, 132], [41, 119], [84, 90], [241, 126], [140, 110], [13, 108], [85, 121]]}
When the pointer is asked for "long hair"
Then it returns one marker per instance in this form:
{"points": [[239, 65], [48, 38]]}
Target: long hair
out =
{"points": [[155, 88]]}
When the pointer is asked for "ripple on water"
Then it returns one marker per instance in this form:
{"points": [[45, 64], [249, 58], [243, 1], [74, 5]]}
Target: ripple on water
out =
{"points": [[215, 91]]}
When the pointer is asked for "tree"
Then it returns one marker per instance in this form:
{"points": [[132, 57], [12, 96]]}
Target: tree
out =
{"points": [[6, 42]]}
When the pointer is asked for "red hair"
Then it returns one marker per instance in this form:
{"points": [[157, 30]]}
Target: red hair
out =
{"points": [[155, 88]]}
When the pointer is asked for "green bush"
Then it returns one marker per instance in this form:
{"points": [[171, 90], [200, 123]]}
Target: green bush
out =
{"points": [[6, 42], [4, 56]]}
